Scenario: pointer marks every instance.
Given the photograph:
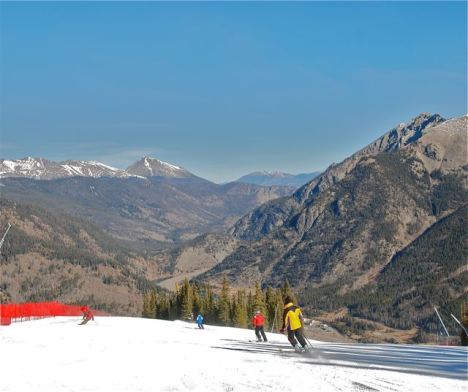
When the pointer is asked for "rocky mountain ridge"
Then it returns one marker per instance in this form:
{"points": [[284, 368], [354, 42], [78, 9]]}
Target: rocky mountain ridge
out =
{"points": [[354, 217], [271, 215], [44, 169], [337, 239]]}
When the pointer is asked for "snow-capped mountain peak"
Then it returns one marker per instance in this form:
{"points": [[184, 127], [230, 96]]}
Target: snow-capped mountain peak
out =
{"points": [[152, 167], [43, 169]]}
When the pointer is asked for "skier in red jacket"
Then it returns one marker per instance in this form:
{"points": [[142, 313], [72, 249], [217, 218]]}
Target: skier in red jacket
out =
{"points": [[87, 315], [258, 322]]}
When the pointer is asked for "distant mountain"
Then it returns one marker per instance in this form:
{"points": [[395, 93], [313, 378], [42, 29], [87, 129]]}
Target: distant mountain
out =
{"points": [[338, 234], [148, 210], [269, 216], [151, 167], [278, 178], [43, 169]]}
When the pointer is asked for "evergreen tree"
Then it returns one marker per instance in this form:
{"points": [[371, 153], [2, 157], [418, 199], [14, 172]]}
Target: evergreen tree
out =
{"points": [[250, 305], [224, 305], [240, 318], [153, 304], [259, 300], [186, 300], [197, 300], [146, 305], [287, 292], [278, 310], [163, 308], [271, 305], [209, 305]]}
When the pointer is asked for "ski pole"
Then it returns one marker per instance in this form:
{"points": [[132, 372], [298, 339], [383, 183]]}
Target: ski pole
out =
{"points": [[440, 318]]}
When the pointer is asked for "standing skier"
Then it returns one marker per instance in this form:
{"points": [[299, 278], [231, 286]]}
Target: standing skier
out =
{"points": [[294, 323], [200, 321], [87, 315], [258, 321]]}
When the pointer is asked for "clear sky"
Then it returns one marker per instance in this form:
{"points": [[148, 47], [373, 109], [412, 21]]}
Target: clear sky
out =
{"points": [[223, 89]]}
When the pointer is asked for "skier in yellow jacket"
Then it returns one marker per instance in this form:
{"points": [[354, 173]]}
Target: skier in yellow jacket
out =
{"points": [[294, 323]]}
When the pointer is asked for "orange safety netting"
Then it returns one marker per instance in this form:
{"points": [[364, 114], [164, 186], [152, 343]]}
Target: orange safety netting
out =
{"points": [[31, 310]]}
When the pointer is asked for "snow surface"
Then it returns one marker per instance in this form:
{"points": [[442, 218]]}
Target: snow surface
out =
{"points": [[133, 354]]}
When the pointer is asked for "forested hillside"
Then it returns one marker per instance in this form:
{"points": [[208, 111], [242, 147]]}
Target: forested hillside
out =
{"points": [[54, 256], [431, 271]]}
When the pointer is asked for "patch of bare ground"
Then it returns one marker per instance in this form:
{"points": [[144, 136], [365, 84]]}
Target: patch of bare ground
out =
{"points": [[369, 331], [323, 332]]}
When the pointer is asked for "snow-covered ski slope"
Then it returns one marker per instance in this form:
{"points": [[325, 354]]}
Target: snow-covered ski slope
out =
{"points": [[131, 354]]}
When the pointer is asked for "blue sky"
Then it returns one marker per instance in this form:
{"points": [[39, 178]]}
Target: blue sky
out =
{"points": [[223, 89]]}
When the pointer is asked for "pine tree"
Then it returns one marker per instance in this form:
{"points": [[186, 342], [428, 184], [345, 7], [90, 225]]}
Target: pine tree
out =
{"points": [[153, 304], [259, 300], [224, 305], [240, 318], [250, 304], [278, 310], [209, 304], [197, 300], [176, 303], [186, 300], [271, 305], [287, 292], [146, 305]]}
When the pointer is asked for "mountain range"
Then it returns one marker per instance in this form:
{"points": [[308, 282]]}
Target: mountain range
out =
{"points": [[152, 203], [377, 238], [44, 169], [146, 167], [339, 234]]}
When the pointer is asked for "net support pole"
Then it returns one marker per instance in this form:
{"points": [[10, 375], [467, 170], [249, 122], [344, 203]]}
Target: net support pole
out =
{"points": [[441, 321]]}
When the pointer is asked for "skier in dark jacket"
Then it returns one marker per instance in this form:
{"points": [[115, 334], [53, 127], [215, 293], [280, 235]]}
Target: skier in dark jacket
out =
{"points": [[258, 321], [293, 322], [200, 321]]}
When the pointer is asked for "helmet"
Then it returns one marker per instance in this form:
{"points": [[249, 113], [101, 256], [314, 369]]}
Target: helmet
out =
{"points": [[258, 311]]}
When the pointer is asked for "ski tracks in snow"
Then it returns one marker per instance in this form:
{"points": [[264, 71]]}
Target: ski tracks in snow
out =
{"points": [[141, 355]]}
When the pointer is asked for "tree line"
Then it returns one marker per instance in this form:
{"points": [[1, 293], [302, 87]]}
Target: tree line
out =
{"points": [[228, 308]]}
